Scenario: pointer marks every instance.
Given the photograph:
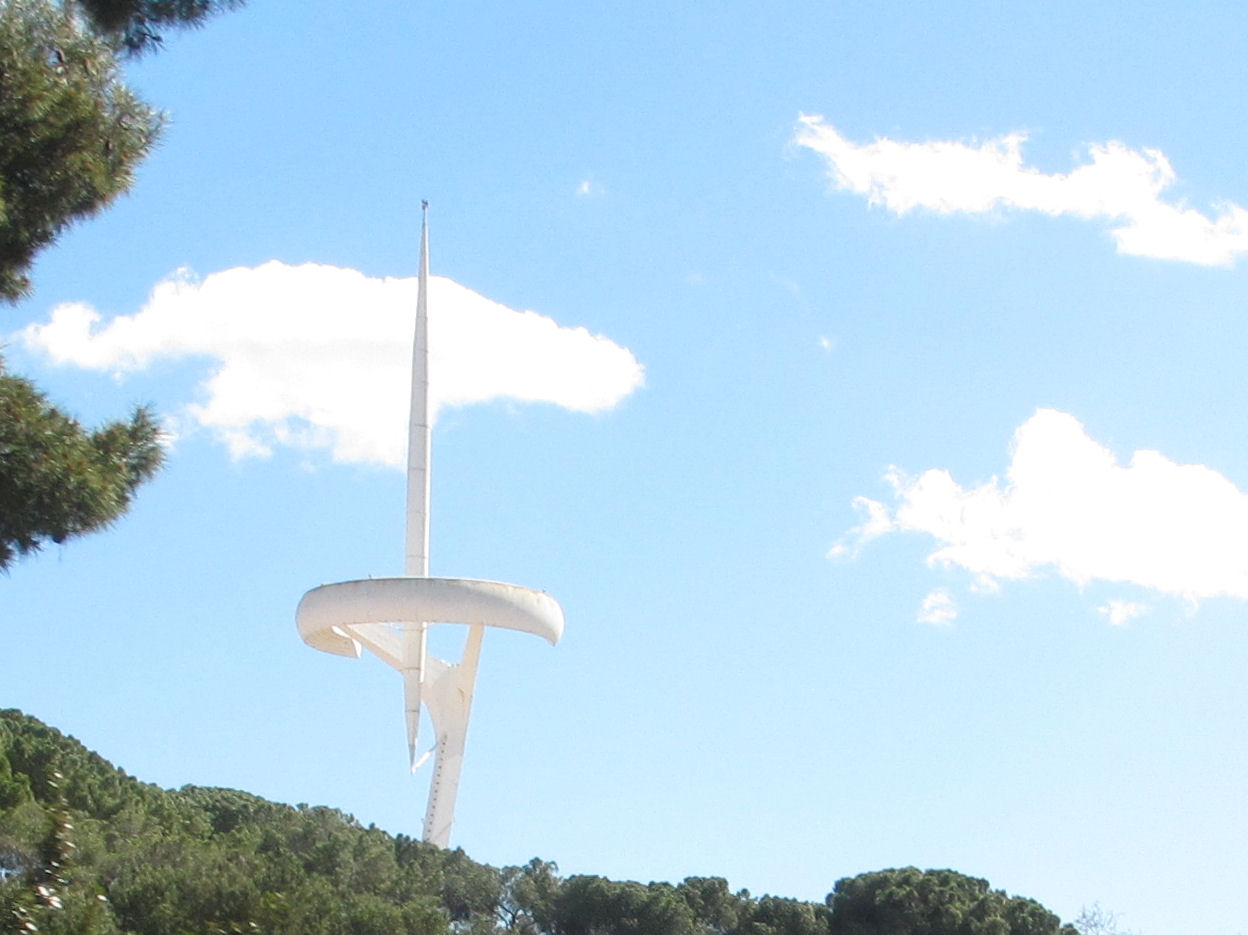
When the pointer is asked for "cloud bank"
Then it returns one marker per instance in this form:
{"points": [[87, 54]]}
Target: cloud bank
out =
{"points": [[1118, 185], [1067, 505], [319, 357]]}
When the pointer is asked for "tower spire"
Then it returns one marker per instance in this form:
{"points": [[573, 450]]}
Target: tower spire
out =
{"points": [[414, 641], [391, 616], [418, 438]]}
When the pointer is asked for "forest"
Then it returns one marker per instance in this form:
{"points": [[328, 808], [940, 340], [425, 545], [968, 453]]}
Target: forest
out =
{"points": [[89, 850]]}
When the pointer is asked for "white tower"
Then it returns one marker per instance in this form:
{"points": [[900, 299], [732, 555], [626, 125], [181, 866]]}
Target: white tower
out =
{"points": [[390, 617]]}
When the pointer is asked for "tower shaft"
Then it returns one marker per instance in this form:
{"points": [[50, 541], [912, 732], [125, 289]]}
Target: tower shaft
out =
{"points": [[419, 429], [419, 437]]}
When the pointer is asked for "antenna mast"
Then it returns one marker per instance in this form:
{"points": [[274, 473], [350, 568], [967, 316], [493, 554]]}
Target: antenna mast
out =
{"points": [[391, 616]]}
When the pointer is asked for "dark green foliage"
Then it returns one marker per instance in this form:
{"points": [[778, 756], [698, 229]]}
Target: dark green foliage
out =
{"points": [[136, 22], [773, 915], [527, 900], [595, 906], [71, 138], [71, 134], [203, 860], [710, 901], [933, 902], [87, 850], [58, 480]]}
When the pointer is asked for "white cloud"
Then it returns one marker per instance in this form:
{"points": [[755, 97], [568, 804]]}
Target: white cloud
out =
{"points": [[1120, 613], [1117, 184], [588, 188], [877, 520], [938, 608], [319, 357], [1068, 506]]}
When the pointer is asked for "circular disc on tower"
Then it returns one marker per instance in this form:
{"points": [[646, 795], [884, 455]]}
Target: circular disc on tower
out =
{"points": [[325, 610]]}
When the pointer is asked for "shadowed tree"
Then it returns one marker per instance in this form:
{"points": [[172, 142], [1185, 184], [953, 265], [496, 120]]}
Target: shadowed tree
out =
{"points": [[137, 23], [71, 133], [590, 905], [716, 910], [933, 902], [58, 480], [71, 137], [774, 915], [529, 895]]}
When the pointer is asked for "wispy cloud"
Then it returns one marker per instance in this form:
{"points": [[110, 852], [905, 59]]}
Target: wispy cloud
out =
{"points": [[938, 608], [1067, 505], [318, 356], [1120, 186]]}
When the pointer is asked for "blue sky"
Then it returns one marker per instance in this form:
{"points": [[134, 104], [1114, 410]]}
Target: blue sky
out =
{"points": [[878, 425]]}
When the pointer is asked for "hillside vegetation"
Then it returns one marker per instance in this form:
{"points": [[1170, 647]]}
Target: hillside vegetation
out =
{"points": [[84, 848]]}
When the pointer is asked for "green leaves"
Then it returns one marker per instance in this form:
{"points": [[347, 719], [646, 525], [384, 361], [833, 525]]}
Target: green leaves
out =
{"points": [[58, 480], [135, 23], [933, 902], [214, 861], [71, 133]]}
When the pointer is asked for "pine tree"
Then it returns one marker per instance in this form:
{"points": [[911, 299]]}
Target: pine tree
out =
{"points": [[135, 22], [71, 133], [58, 480]]}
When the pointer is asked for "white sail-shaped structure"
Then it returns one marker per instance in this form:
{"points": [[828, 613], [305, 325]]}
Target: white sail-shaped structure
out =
{"points": [[390, 617]]}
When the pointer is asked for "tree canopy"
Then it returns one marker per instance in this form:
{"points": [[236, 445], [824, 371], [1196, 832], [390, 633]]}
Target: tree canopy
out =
{"points": [[933, 902], [71, 133], [86, 849], [137, 23], [58, 480]]}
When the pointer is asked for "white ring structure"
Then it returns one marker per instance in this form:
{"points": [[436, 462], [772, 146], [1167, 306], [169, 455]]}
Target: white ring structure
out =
{"points": [[389, 617], [325, 612]]}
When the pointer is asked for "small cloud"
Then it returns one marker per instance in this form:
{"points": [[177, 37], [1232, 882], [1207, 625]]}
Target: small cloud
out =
{"points": [[1067, 505], [826, 343], [1120, 613], [1118, 185], [318, 357], [588, 188], [938, 609]]}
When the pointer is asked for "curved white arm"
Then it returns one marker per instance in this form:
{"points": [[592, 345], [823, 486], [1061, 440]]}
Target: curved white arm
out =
{"points": [[324, 611]]}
